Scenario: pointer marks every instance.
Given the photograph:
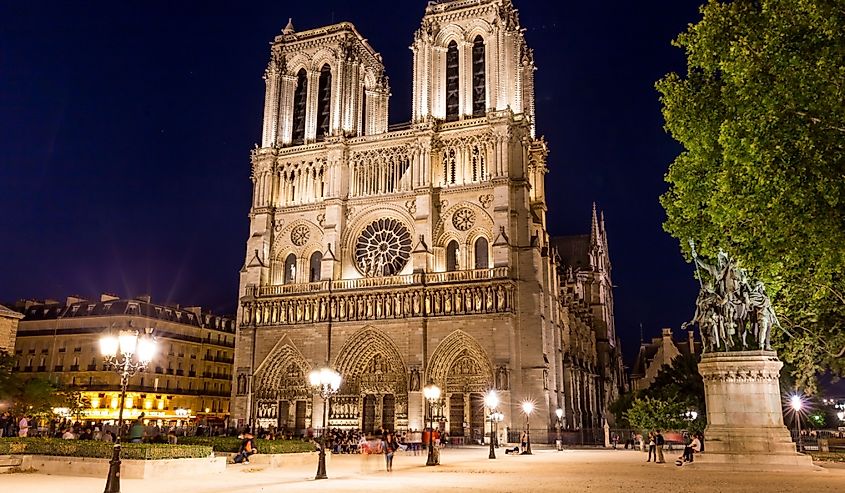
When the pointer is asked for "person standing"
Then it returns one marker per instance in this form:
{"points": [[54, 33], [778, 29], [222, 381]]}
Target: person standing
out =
{"points": [[23, 427], [659, 441], [390, 447], [137, 431], [651, 448]]}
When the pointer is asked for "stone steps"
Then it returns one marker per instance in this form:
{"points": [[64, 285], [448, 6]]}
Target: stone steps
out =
{"points": [[10, 463]]}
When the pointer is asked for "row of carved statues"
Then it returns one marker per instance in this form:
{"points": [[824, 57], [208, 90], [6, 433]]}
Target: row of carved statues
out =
{"points": [[412, 303]]}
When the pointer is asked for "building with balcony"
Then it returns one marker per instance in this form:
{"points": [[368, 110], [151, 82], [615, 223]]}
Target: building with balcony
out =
{"points": [[417, 253], [189, 380]]}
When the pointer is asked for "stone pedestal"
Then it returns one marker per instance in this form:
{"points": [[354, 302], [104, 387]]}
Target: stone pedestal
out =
{"points": [[745, 412]]}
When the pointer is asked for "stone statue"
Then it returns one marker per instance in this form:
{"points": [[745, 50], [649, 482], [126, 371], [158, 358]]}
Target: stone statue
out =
{"points": [[730, 307], [415, 380]]}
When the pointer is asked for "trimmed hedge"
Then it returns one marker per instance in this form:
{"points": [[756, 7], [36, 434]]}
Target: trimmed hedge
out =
{"points": [[101, 450], [233, 444]]}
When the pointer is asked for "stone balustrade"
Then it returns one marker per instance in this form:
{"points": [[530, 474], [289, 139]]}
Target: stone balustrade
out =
{"points": [[426, 295]]}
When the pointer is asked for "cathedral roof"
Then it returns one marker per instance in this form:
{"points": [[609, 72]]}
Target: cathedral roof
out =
{"points": [[574, 250], [7, 313]]}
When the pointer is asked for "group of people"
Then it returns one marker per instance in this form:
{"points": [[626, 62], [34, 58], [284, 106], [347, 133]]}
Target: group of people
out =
{"points": [[655, 446]]}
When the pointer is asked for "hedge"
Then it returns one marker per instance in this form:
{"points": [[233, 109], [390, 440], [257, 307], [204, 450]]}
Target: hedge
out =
{"points": [[101, 450], [233, 444]]}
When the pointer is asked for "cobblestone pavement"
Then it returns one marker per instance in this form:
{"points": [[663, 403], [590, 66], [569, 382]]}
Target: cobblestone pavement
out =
{"points": [[466, 469]]}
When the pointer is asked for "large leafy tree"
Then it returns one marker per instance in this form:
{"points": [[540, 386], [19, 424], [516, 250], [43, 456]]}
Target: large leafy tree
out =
{"points": [[761, 116]]}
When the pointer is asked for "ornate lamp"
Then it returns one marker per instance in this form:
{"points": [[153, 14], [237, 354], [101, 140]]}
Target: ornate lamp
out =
{"points": [[431, 393], [527, 408], [491, 400], [127, 353], [326, 382]]}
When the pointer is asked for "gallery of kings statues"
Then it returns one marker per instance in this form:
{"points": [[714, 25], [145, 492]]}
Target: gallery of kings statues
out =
{"points": [[411, 254]]}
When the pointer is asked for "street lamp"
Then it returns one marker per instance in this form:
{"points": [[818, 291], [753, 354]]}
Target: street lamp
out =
{"points": [[796, 402], [527, 408], [431, 393], [491, 400], [558, 442], [325, 381], [127, 353], [841, 415]]}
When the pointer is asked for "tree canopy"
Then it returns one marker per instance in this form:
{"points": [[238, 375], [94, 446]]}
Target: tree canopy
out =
{"points": [[761, 116]]}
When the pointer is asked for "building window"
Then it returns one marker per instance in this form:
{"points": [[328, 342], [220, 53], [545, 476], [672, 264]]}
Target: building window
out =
{"points": [[363, 111], [450, 165], [324, 103], [479, 95], [316, 265], [290, 269], [452, 253], [300, 96], [452, 74]]}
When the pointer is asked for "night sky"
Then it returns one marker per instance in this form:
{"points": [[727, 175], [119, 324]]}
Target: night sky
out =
{"points": [[125, 131]]}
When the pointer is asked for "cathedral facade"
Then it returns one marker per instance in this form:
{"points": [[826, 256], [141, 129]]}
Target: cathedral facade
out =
{"points": [[413, 254]]}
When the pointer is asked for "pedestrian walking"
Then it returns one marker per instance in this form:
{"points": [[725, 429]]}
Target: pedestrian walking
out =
{"points": [[659, 441], [23, 426], [390, 446]]}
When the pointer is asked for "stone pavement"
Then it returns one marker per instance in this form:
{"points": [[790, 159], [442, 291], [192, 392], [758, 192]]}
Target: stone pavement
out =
{"points": [[466, 469]]}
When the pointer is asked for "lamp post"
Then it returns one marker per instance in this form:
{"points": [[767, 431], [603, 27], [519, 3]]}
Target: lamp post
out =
{"points": [[431, 393], [127, 354], [325, 381], [527, 408], [491, 400], [796, 403], [558, 442]]}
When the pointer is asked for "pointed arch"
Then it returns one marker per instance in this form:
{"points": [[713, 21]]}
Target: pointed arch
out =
{"points": [[460, 360], [479, 83], [358, 351], [324, 102], [300, 97], [282, 374], [452, 84]]}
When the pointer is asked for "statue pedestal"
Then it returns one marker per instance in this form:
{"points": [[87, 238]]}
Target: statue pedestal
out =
{"points": [[745, 412]]}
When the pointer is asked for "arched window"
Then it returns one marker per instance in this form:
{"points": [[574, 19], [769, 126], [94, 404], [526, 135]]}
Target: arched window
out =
{"points": [[315, 266], [290, 269], [324, 102], [452, 253], [479, 95], [481, 256], [452, 99], [299, 102]]}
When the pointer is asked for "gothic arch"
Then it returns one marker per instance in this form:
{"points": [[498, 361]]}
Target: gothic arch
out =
{"points": [[478, 27], [365, 218], [282, 374], [459, 360], [357, 353], [297, 62], [452, 32], [444, 231], [325, 56]]}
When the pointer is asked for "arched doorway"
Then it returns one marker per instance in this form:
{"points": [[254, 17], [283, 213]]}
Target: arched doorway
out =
{"points": [[374, 393], [281, 396], [462, 369]]}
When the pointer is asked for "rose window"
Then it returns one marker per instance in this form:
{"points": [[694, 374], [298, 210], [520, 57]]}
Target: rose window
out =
{"points": [[299, 235], [383, 248], [463, 219]]}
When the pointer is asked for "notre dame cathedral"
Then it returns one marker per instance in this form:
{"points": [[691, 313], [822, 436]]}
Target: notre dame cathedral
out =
{"points": [[413, 254]]}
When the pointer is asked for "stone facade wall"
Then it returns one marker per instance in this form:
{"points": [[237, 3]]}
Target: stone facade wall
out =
{"points": [[9, 320]]}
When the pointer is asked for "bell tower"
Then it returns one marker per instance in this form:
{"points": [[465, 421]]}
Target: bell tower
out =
{"points": [[320, 83], [470, 57]]}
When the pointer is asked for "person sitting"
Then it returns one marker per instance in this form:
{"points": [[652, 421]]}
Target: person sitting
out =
{"points": [[247, 448]]}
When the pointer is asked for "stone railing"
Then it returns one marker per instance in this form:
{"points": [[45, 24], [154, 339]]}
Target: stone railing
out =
{"points": [[417, 295]]}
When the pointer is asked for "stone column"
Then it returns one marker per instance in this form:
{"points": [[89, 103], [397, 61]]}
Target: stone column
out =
{"points": [[744, 411]]}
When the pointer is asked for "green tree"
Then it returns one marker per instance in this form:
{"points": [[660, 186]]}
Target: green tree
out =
{"points": [[648, 414], [760, 115], [9, 383]]}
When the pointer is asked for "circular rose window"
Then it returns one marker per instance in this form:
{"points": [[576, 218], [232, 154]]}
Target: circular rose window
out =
{"points": [[383, 248]]}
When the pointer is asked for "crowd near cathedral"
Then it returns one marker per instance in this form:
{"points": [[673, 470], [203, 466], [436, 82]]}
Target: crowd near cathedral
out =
{"points": [[415, 254]]}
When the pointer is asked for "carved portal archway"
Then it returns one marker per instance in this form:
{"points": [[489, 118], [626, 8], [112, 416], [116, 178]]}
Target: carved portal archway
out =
{"points": [[281, 393], [374, 392], [462, 369]]}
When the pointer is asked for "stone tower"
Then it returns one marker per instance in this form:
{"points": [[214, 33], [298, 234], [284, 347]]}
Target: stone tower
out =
{"points": [[403, 257]]}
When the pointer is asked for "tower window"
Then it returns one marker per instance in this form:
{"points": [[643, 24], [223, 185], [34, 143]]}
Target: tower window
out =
{"points": [[299, 101], [290, 269], [479, 96], [452, 252], [452, 99], [481, 257], [324, 102], [363, 111], [316, 261]]}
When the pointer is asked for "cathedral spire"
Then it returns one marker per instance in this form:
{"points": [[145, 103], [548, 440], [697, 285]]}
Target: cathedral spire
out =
{"points": [[289, 28], [595, 233]]}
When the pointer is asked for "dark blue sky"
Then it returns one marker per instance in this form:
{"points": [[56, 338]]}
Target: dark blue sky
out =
{"points": [[125, 131]]}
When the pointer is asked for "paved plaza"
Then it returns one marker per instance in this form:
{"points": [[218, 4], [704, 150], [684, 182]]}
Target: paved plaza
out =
{"points": [[466, 469]]}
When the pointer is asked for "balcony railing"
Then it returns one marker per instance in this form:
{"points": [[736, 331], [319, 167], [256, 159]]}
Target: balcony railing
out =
{"points": [[378, 282]]}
